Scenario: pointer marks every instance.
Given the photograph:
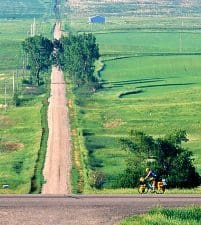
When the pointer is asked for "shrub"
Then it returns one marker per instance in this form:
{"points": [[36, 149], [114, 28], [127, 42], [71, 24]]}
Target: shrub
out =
{"points": [[16, 99], [97, 179]]}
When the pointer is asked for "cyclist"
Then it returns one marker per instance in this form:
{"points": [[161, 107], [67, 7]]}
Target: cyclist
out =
{"points": [[153, 177]]}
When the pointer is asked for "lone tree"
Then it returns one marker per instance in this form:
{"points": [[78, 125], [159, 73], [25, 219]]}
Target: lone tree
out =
{"points": [[39, 50], [165, 155]]}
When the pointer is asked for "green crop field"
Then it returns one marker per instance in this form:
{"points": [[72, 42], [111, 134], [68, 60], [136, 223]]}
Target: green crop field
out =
{"points": [[149, 42], [151, 83]]}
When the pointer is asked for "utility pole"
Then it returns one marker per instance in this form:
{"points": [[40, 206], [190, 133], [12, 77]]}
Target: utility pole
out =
{"points": [[23, 65], [34, 27], [13, 84], [17, 84], [31, 34], [5, 93], [181, 30], [181, 36], [26, 60]]}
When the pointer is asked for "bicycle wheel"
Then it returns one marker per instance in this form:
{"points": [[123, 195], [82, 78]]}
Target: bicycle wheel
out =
{"points": [[142, 189]]}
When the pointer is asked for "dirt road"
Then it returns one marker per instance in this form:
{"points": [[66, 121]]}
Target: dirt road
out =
{"points": [[58, 158], [83, 210], [57, 31]]}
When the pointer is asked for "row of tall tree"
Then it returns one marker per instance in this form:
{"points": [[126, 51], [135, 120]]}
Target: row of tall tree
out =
{"points": [[75, 54]]}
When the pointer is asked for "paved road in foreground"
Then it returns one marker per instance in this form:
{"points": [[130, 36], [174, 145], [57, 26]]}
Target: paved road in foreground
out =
{"points": [[82, 209]]}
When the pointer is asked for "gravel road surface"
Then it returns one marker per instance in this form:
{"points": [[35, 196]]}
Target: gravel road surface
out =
{"points": [[58, 157]]}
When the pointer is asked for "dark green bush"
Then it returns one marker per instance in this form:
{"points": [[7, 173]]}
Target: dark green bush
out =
{"points": [[97, 179], [165, 155], [16, 99]]}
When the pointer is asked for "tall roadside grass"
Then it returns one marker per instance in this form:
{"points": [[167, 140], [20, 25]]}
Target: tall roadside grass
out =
{"points": [[162, 216], [135, 191], [79, 152], [38, 179]]}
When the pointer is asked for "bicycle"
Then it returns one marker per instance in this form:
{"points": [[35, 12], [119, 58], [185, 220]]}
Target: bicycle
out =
{"points": [[144, 187]]}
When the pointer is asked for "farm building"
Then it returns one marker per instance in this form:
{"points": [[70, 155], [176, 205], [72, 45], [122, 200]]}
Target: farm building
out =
{"points": [[97, 19]]}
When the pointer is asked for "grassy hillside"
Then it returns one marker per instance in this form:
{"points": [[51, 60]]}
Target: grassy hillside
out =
{"points": [[151, 83], [169, 96]]}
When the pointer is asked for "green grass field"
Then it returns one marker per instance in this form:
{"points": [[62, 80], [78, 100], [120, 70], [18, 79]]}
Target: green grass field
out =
{"points": [[21, 133], [11, 48], [151, 83], [148, 42], [20, 127], [163, 216]]}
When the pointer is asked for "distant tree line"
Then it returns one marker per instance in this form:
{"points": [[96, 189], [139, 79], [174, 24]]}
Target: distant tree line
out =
{"points": [[165, 155]]}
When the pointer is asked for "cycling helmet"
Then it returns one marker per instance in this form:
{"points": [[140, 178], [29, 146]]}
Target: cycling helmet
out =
{"points": [[148, 169]]}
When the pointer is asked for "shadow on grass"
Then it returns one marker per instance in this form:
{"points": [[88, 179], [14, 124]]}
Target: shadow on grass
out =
{"points": [[165, 85], [133, 81], [92, 146], [86, 132], [123, 83], [122, 95]]}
